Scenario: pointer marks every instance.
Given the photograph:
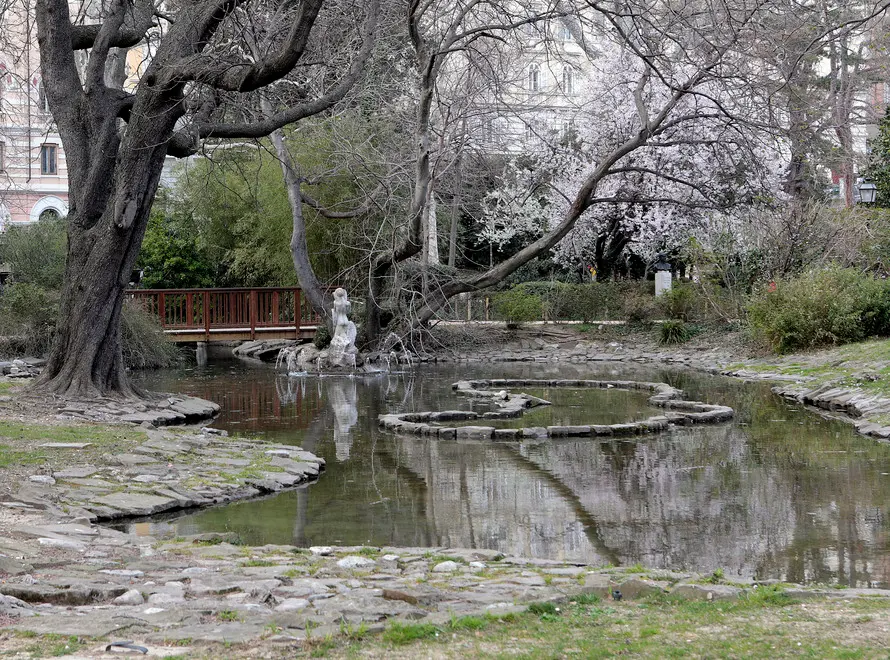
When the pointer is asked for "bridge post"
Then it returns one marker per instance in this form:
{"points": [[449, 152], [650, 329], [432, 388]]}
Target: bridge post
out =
{"points": [[254, 312], [207, 315], [162, 309], [298, 313]]}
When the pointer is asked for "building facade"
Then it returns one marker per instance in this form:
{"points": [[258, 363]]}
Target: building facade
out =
{"points": [[33, 172]]}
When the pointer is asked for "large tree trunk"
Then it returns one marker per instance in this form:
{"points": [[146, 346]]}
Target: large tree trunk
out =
{"points": [[87, 359], [115, 141]]}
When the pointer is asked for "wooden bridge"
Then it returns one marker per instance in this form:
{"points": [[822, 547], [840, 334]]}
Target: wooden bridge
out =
{"points": [[189, 315]]}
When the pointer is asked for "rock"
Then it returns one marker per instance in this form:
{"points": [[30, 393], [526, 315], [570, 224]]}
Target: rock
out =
{"points": [[11, 566], [393, 594], [12, 606], [636, 588], [69, 544], [446, 567], [321, 550], [119, 572], [598, 584], [707, 591], [131, 597], [66, 445], [42, 479], [354, 561], [292, 605], [136, 504]]}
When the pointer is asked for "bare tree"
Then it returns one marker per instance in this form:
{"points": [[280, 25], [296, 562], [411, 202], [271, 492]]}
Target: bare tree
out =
{"points": [[200, 83]]}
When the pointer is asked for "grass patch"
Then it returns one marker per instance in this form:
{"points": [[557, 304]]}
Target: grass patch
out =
{"points": [[98, 435], [767, 624], [7, 387], [51, 645], [9, 456], [405, 633]]}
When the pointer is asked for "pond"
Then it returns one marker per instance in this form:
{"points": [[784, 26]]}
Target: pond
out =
{"points": [[777, 493]]}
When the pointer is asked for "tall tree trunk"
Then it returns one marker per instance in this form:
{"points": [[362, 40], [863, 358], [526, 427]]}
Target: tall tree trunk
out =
{"points": [[309, 283], [455, 211], [87, 359]]}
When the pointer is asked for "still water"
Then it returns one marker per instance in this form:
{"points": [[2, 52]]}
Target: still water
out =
{"points": [[777, 493]]}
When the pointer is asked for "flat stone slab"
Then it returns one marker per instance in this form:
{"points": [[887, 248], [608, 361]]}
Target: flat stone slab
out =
{"points": [[136, 504], [66, 445]]}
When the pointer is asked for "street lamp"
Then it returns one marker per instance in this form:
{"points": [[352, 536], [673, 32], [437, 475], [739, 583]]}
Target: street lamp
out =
{"points": [[868, 192]]}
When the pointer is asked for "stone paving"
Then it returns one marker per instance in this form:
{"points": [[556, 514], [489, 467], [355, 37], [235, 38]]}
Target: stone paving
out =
{"points": [[170, 470], [207, 589]]}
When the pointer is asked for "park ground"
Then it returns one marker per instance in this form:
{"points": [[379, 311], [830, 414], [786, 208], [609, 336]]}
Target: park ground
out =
{"points": [[773, 620]]}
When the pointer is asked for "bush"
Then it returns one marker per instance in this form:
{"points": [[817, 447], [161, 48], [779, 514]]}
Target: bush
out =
{"points": [[516, 306], [679, 302], [819, 308], [592, 301], [674, 332], [145, 346], [36, 253], [322, 337], [28, 315]]}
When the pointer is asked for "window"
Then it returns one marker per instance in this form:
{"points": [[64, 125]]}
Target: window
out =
{"points": [[563, 33], [534, 78], [49, 215], [488, 131], [568, 81], [48, 159], [2, 156]]}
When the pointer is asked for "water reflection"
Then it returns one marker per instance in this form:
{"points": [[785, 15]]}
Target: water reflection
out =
{"points": [[778, 493]]}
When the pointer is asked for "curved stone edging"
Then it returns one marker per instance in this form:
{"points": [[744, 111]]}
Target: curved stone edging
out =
{"points": [[681, 412], [170, 472]]}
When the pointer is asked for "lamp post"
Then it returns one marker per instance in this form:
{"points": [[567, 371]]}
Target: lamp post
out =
{"points": [[868, 192]]}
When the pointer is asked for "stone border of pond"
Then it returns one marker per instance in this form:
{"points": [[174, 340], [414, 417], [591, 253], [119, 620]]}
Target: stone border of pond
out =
{"points": [[170, 471], [679, 411]]}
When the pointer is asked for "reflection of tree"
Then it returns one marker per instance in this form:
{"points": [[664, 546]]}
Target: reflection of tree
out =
{"points": [[799, 498]]}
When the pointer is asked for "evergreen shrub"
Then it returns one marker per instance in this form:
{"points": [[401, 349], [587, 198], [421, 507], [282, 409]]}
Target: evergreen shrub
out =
{"points": [[674, 331], [821, 308], [516, 306]]}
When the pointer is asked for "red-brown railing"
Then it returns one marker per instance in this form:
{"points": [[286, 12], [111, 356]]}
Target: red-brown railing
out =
{"points": [[242, 309]]}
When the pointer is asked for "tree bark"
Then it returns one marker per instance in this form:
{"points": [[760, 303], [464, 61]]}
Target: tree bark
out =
{"points": [[309, 283], [115, 144]]}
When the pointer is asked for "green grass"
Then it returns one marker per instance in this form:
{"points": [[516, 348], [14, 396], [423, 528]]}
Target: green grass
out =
{"points": [[99, 435], [9, 456], [405, 633], [7, 387], [51, 645], [766, 624]]}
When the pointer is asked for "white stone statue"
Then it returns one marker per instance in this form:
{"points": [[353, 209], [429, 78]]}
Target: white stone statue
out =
{"points": [[342, 351]]}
